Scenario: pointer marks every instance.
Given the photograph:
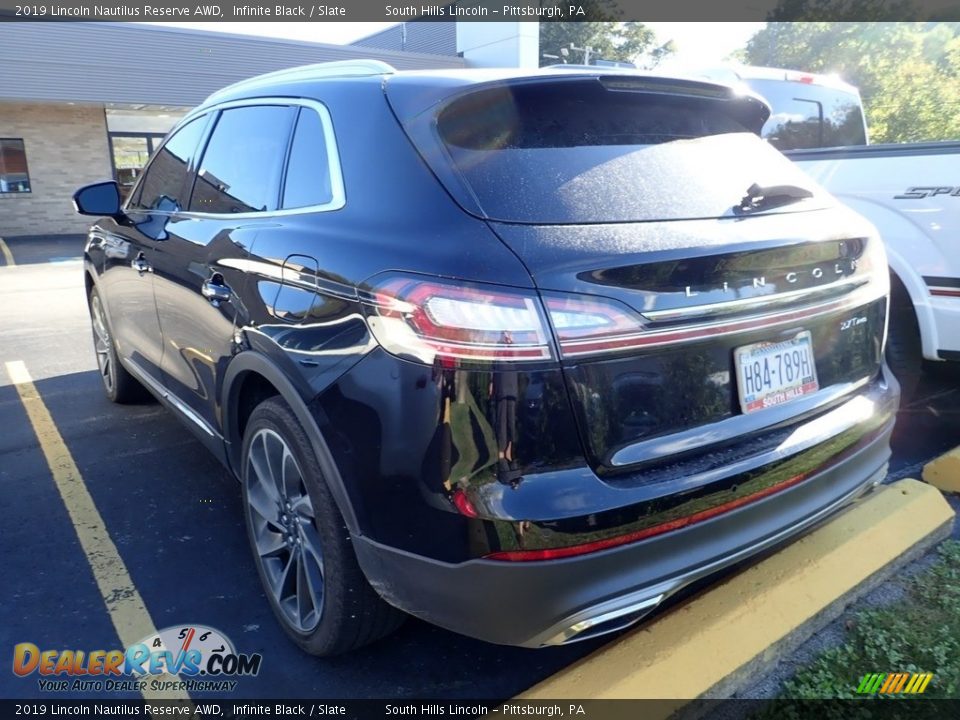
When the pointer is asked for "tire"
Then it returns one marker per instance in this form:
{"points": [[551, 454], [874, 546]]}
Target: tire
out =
{"points": [[121, 387], [300, 542], [904, 350]]}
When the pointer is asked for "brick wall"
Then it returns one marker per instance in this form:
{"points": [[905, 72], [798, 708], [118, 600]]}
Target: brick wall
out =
{"points": [[66, 147]]}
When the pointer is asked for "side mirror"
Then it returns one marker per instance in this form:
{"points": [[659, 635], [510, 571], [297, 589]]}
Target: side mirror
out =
{"points": [[100, 199]]}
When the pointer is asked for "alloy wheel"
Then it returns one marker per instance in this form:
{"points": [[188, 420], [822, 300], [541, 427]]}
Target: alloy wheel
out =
{"points": [[101, 343], [283, 525]]}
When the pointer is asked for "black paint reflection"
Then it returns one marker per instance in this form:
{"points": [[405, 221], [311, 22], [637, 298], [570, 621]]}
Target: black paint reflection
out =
{"points": [[639, 398]]}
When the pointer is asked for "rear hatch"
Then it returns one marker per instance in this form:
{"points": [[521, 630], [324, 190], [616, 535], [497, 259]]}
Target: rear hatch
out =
{"points": [[702, 290]]}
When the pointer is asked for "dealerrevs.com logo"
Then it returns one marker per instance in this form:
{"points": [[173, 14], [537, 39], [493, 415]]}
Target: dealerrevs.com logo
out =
{"points": [[204, 658]]}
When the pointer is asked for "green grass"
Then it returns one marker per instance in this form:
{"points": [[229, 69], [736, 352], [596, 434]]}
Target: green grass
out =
{"points": [[918, 633]]}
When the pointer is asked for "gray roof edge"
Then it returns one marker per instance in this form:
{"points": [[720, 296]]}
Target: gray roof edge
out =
{"points": [[127, 64], [221, 34], [375, 33]]}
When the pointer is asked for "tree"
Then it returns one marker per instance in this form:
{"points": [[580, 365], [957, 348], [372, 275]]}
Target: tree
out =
{"points": [[908, 72], [844, 10], [626, 41]]}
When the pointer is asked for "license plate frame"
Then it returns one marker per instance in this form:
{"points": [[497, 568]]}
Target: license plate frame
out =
{"points": [[768, 380]]}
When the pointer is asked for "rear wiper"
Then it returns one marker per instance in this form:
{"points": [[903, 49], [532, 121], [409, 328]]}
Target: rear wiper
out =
{"points": [[764, 198]]}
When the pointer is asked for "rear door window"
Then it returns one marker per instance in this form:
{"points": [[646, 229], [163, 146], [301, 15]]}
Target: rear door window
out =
{"points": [[580, 152], [243, 162]]}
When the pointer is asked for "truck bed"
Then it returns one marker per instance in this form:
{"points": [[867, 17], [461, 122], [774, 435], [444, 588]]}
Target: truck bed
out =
{"points": [[947, 147], [911, 193]]}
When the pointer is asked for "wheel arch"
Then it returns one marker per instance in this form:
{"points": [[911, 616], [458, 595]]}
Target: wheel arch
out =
{"points": [[914, 290], [908, 248], [253, 373]]}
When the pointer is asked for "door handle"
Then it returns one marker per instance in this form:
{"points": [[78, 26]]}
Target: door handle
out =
{"points": [[140, 264], [215, 291]]}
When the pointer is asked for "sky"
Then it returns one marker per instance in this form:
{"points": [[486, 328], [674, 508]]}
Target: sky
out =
{"points": [[697, 43], [701, 43]]}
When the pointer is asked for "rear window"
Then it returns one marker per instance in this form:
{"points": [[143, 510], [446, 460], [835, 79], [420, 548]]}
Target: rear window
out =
{"points": [[810, 116], [308, 179], [579, 152]]}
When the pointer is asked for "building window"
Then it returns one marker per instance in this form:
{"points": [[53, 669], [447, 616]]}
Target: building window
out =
{"points": [[130, 155], [14, 177]]}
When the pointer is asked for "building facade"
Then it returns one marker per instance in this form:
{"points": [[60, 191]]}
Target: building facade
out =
{"points": [[480, 44], [83, 102]]}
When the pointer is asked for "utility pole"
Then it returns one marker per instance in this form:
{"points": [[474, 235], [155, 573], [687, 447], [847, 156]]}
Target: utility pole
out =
{"points": [[585, 50], [562, 57]]}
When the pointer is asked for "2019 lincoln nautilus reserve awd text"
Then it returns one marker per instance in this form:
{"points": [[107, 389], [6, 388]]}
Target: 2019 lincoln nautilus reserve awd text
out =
{"points": [[518, 353]]}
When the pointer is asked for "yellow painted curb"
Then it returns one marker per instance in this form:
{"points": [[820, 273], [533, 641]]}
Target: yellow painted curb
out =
{"points": [[944, 472], [703, 641]]}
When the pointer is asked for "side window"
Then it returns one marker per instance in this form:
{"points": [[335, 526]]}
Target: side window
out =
{"points": [[308, 181], [162, 185], [241, 167]]}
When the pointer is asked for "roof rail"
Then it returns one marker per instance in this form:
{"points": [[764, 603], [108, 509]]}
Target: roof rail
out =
{"points": [[339, 68]]}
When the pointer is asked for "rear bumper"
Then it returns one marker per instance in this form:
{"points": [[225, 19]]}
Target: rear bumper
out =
{"points": [[533, 604]]}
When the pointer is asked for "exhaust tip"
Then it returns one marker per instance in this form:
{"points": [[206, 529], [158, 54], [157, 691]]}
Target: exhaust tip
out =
{"points": [[606, 621]]}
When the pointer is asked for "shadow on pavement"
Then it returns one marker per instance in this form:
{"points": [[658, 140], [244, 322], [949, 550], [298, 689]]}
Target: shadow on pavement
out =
{"points": [[930, 425], [38, 249], [175, 516]]}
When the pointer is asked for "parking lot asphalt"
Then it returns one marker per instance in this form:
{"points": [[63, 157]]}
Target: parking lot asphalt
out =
{"points": [[174, 515]]}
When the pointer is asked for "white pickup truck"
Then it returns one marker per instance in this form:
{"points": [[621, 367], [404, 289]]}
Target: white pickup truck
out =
{"points": [[910, 192]]}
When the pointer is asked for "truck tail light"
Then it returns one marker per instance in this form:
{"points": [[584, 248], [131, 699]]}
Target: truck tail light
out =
{"points": [[430, 320], [800, 77]]}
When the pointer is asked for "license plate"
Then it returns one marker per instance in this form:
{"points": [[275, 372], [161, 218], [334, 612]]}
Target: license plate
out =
{"points": [[771, 374]]}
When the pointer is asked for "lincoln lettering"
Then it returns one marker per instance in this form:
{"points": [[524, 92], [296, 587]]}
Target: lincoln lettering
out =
{"points": [[792, 277]]}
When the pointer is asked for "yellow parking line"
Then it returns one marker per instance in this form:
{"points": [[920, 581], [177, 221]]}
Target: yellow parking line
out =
{"points": [[124, 604], [5, 251]]}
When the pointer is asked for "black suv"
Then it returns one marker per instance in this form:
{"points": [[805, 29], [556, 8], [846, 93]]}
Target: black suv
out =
{"points": [[518, 353]]}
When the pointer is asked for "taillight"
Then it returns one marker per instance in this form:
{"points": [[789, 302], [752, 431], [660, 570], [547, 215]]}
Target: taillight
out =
{"points": [[586, 326], [429, 320], [805, 78]]}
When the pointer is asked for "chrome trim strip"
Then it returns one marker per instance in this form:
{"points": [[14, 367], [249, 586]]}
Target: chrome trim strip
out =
{"points": [[165, 394], [665, 590], [724, 430], [763, 301], [720, 328], [840, 419]]}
